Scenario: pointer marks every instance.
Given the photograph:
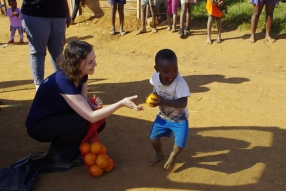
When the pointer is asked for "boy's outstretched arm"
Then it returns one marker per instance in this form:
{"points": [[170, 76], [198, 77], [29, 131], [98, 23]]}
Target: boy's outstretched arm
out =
{"points": [[179, 103]]}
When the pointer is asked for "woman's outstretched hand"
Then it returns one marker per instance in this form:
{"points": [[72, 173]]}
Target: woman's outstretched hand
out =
{"points": [[130, 102]]}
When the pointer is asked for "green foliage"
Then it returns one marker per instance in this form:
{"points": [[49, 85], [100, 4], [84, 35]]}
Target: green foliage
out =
{"points": [[239, 16]]}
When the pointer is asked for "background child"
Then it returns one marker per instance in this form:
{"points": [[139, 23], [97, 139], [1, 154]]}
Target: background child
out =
{"points": [[212, 7], [14, 13], [257, 8], [114, 4], [173, 92], [186, 14], [171, 8], [144, 4]]}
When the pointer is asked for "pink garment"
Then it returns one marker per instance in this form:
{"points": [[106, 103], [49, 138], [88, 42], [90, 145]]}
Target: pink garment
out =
{"points": [[171, 6], [14, 20]]}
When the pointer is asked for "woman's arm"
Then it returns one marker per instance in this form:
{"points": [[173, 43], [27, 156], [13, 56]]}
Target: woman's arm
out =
{"points": [[84, 90], [80, 105]]}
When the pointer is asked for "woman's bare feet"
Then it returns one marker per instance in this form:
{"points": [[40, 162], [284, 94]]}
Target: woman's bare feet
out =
{"points": [[268, 38], [156, 159], [170, 162], [142, 30]]}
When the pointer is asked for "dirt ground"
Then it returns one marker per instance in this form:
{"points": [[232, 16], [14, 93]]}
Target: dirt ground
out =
{"points": [[237, 110]]}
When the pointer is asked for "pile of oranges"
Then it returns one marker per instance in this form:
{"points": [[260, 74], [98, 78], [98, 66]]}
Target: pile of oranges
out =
{"points": [[95, 157]]}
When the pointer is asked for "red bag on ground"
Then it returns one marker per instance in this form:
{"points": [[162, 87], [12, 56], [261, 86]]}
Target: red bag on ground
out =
{"points": [[92, 151]]}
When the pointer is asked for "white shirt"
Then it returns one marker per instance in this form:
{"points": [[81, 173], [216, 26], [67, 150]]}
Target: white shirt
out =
{"points": [[177, 89]]}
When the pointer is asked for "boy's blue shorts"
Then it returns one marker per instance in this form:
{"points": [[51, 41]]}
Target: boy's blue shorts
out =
{"points": [[164, 128], [112, 2]]}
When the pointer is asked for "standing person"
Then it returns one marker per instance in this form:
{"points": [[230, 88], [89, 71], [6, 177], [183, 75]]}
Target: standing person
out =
{"points": [[75, 10], [45, 22], [60, 113], [173, 93], [144, 4], [117, 4], [257, 8], [213, 12], [186, 14], [171, 8], [14, 14]]}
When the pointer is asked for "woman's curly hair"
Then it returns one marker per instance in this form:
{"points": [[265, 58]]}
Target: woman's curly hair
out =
{"points": [[74, 54]]}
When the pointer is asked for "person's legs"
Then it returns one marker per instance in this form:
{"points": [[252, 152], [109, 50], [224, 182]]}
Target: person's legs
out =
{"points": [[168, 4], [170, 162], [254, 21], [156, 143], [56, 40], [180, 130], [209, 29], [113, 15], [21, 34], [188, 18], [121, 18], [75, 10], [143, 19], [65, 132], [38, 32], [12, 34], [269, 9], [218, 20], [182, 19], [174, 11], [154, 19]]}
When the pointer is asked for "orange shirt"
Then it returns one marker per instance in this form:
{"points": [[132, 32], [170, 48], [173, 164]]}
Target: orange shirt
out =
{"points": [[213, 9]]}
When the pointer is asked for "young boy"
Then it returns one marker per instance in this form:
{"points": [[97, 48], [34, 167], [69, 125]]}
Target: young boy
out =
{"points": [[173, 93], [144, 4]]}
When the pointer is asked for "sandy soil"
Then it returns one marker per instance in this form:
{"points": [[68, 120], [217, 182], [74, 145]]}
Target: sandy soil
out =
{"points": [[237, 125]]}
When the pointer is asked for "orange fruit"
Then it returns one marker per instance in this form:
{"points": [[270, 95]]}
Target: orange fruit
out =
{"points": [[110, 166], [95, 170], [149, 100], [102, 160], [95, 147], [89, 158], [103, 149], [84, 148]]}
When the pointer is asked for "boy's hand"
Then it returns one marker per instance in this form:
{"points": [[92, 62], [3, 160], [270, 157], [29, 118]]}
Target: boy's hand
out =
{"points": [[154, 100]]}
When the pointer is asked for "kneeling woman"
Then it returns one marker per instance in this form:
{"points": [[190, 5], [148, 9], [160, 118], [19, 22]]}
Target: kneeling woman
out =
{"points": [[60, 113]]}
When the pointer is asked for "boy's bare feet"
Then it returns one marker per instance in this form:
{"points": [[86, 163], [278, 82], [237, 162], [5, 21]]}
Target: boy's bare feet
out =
{"points": [[170, 162], [251, 39], [268, 38], [156, 159], [154, 30], [142, 30]]}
